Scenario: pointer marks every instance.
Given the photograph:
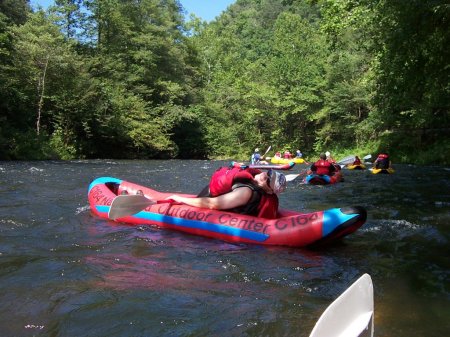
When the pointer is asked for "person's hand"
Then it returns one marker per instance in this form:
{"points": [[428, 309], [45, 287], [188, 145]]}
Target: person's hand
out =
{"points": [[174, 198]]}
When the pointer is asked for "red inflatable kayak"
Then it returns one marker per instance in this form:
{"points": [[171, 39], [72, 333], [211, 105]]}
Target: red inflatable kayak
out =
{"points": [[290, 229]]}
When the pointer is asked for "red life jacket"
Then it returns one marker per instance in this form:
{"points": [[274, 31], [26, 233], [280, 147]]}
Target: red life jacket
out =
{"points": [[322, 167], [223, 180], [382, 161], [268, 206]]}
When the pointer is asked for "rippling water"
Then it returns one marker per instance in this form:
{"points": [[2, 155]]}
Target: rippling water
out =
{"points": [[64, 272]]}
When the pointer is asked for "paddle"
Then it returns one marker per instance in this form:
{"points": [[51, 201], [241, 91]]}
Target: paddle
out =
{"points": [[282, 167], [346, 161], [350, 159], [267, 151], [351, 314], [125, 205], [368, 157], [291, 177]]}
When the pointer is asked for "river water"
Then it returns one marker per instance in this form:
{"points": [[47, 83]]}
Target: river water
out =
{"points": [[64, 272]]}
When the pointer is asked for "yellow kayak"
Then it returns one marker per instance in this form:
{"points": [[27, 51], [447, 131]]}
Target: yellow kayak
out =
{"points": [[384, 171], [278, 160], [357, 167]]}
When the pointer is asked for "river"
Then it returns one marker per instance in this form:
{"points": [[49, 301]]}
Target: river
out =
{"points": [[65, 272]]}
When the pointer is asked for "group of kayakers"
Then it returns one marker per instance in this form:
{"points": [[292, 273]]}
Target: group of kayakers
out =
{"points": [[288, 155], [327, 165], [256, 157], [247, 190], [382, 161]]}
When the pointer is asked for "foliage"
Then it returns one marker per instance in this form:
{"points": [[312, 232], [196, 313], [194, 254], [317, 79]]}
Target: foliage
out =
{"points": [[131, 79]]}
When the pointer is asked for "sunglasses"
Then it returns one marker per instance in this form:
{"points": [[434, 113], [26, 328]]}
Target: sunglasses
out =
{"points": [[269, 175]]}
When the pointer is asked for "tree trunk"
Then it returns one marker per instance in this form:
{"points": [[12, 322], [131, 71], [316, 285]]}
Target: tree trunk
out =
{"points": [[41, 89]]}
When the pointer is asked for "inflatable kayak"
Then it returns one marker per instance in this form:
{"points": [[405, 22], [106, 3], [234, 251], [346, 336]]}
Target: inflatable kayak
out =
{"points": [[281, 167], [278, 160], [389, 170], [289, 229], [356, 167], [323, 179]]}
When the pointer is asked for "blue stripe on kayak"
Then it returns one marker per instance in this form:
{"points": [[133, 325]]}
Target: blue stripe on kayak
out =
{"points": [[207, 226], [332, 218], [102, 208], [195, 224], [103, 180]]}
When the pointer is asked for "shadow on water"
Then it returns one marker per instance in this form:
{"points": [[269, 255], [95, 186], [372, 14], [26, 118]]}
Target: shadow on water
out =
{"points": [[64, 272]]}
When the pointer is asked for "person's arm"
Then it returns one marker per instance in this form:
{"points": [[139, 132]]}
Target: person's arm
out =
{"points": [[238, 197], [332, 168], [376, 163]]}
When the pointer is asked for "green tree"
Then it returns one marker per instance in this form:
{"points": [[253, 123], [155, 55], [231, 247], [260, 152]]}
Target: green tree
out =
{"points": [[15, 11], [40, 53], [12, 12], [349, 77], [71, 18], [297, 71], [413, 88]]}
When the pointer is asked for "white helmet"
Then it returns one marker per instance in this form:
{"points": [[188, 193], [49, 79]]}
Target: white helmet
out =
{"points": [[277, 181], [327, 153], [256, 150]]}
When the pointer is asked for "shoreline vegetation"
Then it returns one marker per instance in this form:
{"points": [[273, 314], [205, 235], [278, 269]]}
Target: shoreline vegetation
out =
{"points": [[136, 80]]}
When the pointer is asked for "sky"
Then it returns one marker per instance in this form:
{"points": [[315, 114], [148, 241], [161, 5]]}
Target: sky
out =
{"points": [[208, 10]]}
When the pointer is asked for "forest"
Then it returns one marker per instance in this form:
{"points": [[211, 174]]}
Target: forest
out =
{"points": [[135, 79]]}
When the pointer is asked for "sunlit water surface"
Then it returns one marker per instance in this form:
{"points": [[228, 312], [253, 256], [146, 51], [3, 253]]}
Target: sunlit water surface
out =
{"points": [[64, 272]]}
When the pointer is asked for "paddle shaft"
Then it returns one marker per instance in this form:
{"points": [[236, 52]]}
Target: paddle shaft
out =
{"points": [[267, 151], [282, 167], [271, 167]]}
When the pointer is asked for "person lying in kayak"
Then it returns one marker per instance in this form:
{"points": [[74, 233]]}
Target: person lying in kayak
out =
{"points": [[244, 191], [323, 166]]}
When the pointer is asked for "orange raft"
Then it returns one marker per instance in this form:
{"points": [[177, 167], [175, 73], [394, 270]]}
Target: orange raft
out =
{"points": [[289, 229]]}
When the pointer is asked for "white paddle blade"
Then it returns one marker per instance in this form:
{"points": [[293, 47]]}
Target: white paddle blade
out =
{"points": [[369, 156], [351, 314], [290, 177], [346, 160], [125, 205]]}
